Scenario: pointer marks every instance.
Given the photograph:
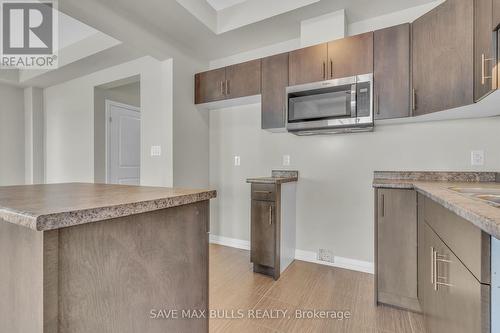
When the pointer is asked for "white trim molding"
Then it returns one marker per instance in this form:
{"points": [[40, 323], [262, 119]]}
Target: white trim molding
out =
{"points": [[309, 256]]}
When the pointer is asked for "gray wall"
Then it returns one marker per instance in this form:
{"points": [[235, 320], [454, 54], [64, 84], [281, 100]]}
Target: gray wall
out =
{"points": [[11, 135], [334, 195], [190, 128], [128, 94]]}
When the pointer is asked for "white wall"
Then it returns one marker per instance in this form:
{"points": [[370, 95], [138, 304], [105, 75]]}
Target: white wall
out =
{"points": [[334, 194], [190, 136], [69, 109], [11, 135]]}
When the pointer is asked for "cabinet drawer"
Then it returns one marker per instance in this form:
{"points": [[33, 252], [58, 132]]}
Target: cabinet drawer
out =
{"points": [[266, 192], [469, 243]]}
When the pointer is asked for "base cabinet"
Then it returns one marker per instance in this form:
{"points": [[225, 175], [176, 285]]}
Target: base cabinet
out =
{"points": [[451, 297], [396, 248]]}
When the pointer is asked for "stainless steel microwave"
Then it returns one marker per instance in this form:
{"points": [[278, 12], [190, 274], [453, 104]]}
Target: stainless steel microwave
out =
{"points": [[333, 106]]}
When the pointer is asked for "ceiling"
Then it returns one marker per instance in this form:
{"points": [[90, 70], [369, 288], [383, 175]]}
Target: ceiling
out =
{"points": [[175, 24], [223, 4]]}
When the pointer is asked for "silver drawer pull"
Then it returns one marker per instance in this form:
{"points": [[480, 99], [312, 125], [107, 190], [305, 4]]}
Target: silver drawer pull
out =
{"points": [[264, 192]]}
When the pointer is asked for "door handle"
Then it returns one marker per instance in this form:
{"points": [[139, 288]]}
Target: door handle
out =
{"points": [[382, 206], [377, 103], [483, 69], [331, 68], [227, 87], [222, 87], [413, 99], [270, 214], [324, 70]]}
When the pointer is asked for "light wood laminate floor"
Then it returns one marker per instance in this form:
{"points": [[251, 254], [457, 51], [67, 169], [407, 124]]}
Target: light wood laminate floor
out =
{"points": [[303, 286]]}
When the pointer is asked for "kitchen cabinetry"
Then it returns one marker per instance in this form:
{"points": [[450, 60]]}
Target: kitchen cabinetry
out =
{"points": [[396, 248], [308, 64], [442, 54], [272, 238], [209, 86], [484, 49], [230, 82], [451, 296], [350, 56], [496, 14], [274, 83], [337, 59], [391, 58]]}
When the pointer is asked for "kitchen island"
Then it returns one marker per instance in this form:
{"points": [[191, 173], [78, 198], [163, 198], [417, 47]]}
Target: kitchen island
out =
{"points": [[102, 258]]}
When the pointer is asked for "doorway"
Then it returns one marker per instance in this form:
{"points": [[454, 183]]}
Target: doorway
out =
{"points": [[123, 147], [117, 132]]}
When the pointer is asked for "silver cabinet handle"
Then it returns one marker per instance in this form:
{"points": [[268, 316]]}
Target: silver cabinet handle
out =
{"points": [[483, 69], [324, 70], [436, 279], [270, 214], [265, 192], [331, 68], [413, 99], [222, 87], [382, 206], [377, 103], [227, 87], [432, 265]]}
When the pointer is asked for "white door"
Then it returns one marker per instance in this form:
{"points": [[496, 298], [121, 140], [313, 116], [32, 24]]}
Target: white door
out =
{"points": [[123, 153]]}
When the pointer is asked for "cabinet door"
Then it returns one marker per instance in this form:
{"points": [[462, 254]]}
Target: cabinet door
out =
{"points": [[274, 82], [243, 79], [308, 64], [442, 54], [391, 74], [484, 49], [350, 56], [496, 14], [397, 248], [263, 233], [209, 86], [454, 292]]}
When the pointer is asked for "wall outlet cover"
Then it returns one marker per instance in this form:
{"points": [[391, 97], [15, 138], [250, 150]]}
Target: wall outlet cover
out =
{"points": [[326, 255], [155, 150], [477, 157], [237, 161], [286, 160]]}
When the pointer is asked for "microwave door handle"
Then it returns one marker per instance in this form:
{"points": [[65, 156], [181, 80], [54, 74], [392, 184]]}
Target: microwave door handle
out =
{"points": [[353, 100]]}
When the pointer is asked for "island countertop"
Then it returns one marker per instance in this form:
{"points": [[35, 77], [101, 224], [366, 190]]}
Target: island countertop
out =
{"points": [[54, 206]]}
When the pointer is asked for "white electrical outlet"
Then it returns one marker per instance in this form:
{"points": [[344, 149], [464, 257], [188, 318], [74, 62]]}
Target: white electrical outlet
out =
{"points": [[326, 255], [477, 157], [155, 150], [237, 160], [286, 160]]}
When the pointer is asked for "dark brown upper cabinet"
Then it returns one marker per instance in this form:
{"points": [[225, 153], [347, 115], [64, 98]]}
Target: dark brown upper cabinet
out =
{"points": [[391, 58], [442, 53], [274, 83], [350, 56], [229, 82], [243, 79], [209, 86], [496, 14], [308, 64], [484, 49]]}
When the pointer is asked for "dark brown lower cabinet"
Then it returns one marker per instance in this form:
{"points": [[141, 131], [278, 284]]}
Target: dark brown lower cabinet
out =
{"points": [[396, 248], [264, 250], [453, 300]]}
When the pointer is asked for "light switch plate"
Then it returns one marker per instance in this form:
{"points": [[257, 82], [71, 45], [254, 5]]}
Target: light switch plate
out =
{"points": [[286, 160], [237, 161], [155, 151], [477, 157]]}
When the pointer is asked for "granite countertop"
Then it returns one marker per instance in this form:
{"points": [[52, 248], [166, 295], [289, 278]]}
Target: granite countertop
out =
{"points": [[54, 206], [438, 187], [277, 177]]}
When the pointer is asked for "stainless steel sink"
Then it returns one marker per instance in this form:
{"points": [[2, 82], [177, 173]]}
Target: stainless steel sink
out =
{"points": [[488, 195]]}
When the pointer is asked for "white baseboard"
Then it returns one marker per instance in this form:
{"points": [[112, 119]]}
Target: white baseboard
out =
{"points": [[231, 242], [309, 256]]}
